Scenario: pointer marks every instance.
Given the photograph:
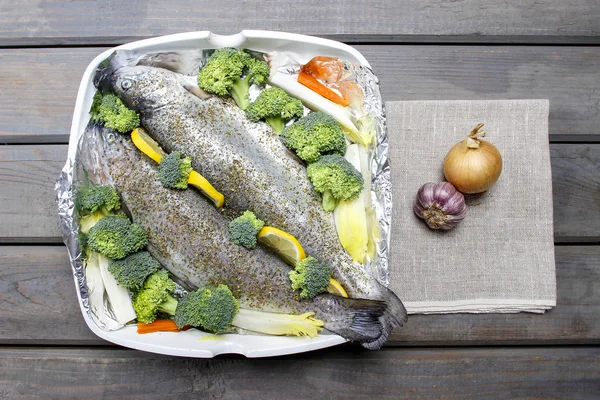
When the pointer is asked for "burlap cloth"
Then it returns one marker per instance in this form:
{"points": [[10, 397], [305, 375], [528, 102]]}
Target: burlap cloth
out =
{"points": [[501, 257]]}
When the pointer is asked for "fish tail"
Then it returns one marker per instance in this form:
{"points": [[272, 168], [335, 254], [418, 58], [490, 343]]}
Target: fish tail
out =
{"points": [[394, 316], [357, 319]]}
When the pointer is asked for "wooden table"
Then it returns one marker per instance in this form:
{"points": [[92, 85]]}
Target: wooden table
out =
{"points": [[468, 49]]}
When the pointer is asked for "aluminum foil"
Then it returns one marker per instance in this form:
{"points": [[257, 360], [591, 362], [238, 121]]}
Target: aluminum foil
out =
{"points": [[189, 63], [381, 185]]}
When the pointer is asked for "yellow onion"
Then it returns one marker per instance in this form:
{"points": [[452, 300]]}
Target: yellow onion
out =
{"points": [[473, 165]]}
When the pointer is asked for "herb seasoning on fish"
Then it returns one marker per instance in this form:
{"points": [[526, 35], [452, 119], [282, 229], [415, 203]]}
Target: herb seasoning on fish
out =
{"points": [[249, 165], [190, 237]]}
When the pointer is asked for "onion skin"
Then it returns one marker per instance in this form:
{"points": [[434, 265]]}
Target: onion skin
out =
{"points": [[440, 205], [473, 165]]}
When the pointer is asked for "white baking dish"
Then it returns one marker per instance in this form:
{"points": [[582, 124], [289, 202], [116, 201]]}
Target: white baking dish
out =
{"points": [[194, 343]]}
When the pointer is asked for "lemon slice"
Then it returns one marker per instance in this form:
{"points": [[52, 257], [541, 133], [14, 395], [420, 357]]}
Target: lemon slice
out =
{"points": [[206, 188], [336, 288], [285, 245], [147, 145]]}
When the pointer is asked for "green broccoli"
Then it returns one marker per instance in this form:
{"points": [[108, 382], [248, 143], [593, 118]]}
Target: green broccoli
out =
{"points": [[243, 229], [314, 135], [276, 107], [109, 110], [174, 171], [336, 178], [232, 72], [154, 297], [115, 237], [102, 198], [216, 310], [132, 271], [212, 310], [311, 277]]}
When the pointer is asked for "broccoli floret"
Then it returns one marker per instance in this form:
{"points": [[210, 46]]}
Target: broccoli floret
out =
{"points": [[243, 229], [336, 179], [132, 271], [102, 198], [116, 237], [276, 107], [174, 171], [232, 72], [211, 310], [311, 277], [109, 110], [314, 135], [154, 297]]}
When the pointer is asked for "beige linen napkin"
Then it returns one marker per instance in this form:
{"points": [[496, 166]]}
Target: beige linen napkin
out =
{"points": [[501, 257]]}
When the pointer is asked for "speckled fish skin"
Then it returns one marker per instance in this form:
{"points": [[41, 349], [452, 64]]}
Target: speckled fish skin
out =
{"points": [[247, 163], [190, 237]]}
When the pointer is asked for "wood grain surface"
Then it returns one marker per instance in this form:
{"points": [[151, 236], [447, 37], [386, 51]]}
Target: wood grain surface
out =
{"points": [[39, 86], [38, 305], [28, 174], [484, 373], [443, 50], [61, 22]]}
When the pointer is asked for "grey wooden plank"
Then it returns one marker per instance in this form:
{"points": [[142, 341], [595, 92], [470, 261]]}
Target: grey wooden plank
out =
{"points": [[39, 300], [64, 22], [38, 306], [485, 373], [46, 81], [28, 173]]}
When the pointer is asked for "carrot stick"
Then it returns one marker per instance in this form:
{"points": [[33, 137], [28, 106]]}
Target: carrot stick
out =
{"points": [[313, 84], [160, 325]]}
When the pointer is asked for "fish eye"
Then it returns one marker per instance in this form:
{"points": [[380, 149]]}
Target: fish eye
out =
{"points": [[110, 137], [126, 84]]}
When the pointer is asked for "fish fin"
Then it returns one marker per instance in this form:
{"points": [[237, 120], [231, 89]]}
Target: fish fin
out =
{"points": [[359, 319], [395, 316], [196, 91]]}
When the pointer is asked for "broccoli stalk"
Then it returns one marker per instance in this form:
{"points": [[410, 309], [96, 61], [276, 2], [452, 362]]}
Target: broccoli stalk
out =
{"points": [[311, 277], [335, 178], [276, 107], [174, 171], [109, 110], [315, 135], [132, 271], [216, 310], [154, 297], [244, 229], [232, 72], [115, 237]]}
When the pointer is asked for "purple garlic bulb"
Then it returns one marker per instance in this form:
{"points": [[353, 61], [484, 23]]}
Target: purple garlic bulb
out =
{"points": [[440, 205]]}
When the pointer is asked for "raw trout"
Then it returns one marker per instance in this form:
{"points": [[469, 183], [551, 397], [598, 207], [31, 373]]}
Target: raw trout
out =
{"points": [[190, 237], [248, 163]]}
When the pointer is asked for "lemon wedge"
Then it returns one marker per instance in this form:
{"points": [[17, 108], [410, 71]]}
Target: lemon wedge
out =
{"points": [[285, 245], [149, 147], [206, 188], [336, 288]]}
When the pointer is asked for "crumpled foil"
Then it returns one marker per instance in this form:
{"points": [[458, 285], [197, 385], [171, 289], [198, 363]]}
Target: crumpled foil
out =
{"points": [[381, 185], [189, 63]]}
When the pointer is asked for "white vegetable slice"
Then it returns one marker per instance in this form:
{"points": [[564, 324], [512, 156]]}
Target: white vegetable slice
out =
{"points": [[373, 232], [117, 294], [351, 218], [95, 288]]}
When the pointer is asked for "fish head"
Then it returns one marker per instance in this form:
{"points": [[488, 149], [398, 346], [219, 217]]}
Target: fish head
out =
{"points": [[143, 88]]}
